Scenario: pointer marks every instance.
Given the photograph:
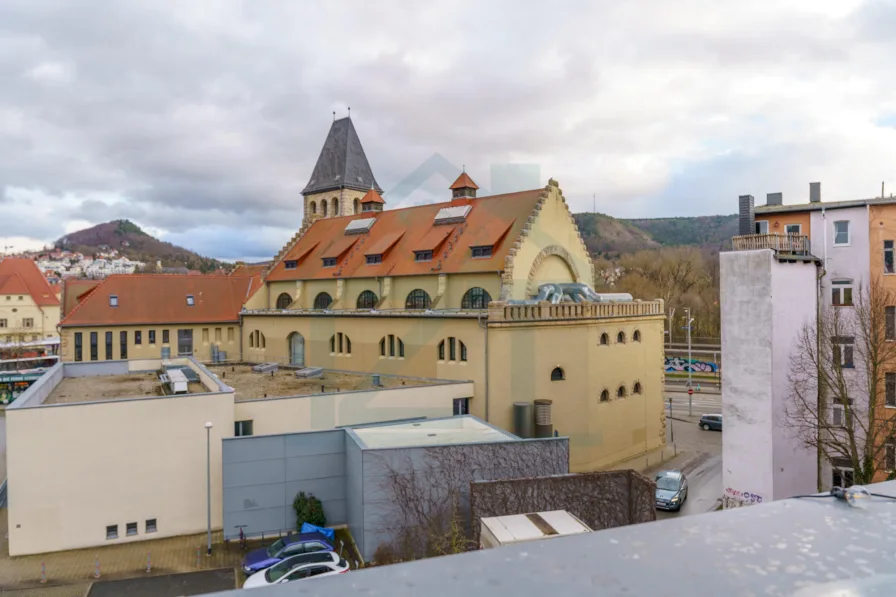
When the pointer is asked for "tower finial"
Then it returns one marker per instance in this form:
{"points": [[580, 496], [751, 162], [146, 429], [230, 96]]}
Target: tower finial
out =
{"points": [[464, 168], [334, 115], [349, 111]]}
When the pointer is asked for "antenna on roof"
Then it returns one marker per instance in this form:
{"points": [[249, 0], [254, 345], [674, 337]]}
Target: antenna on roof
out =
{"points": [[349, 111], [334, 115], [464, 168]]}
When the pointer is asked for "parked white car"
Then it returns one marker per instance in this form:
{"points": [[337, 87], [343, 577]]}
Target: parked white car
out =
{"points": [[307, 565]]}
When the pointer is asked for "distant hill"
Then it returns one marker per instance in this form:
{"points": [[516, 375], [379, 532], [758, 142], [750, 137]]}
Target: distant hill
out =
{"points": [[132, 242], [605, 235]]}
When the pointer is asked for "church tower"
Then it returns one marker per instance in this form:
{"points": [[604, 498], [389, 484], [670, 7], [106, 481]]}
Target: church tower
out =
{"points": [[341, 178]]}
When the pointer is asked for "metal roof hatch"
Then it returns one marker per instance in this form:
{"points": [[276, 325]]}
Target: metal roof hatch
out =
{"points": [[360, 226], [452, 215]]}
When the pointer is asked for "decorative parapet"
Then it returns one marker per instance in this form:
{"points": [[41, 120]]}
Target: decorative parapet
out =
{"points": [[499, 311], [796, 244]]}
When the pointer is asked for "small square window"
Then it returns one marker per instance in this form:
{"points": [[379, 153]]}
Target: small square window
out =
{"points": [[422, 255], [151, 525], [131, 529], [292, 264], [113, 300], [841, 232], [793, 228], [480, 252], [242, 428], [190, 301], [761, 226], [112, 531], [374, 259]]}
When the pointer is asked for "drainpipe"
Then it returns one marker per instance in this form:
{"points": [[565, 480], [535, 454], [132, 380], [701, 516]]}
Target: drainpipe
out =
{"points": [[485, 330], [820, 406]]}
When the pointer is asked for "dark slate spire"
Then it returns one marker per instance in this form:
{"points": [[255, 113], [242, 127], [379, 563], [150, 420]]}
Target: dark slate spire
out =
{"points": [[342, 163]]}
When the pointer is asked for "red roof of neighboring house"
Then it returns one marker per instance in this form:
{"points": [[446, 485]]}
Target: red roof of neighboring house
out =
{"points": [[74, 290], [495, 221], [255, 271], [162, 299], [22, 276]]}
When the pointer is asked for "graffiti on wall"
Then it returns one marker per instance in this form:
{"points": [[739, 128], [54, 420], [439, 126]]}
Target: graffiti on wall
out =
{"points": [[734, 498], [684, 365]]}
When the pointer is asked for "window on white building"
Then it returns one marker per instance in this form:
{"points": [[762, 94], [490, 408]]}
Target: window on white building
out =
{"points": [[841, 293], [841, 232], [843, 350], [842, 415]]}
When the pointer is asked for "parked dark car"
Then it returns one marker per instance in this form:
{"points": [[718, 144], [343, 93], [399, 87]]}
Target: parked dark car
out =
{"points": [[671, 490], [711, 422], [291, 545]]}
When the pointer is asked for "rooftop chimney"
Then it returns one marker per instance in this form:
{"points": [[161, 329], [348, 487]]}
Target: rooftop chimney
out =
{"points": [[774, 199], [746, 223], [815, 192]]}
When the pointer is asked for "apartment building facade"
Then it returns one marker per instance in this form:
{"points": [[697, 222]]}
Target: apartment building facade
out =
{"points": [[848, 245]]}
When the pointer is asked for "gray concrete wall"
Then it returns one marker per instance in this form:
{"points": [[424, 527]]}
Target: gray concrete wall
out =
{"points": [[354, 488], [263, 474], [435, 471], [94, 368]]}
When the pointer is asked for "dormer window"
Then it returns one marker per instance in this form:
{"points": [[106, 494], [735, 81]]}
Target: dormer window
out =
{"points": [[374, 259], [329, 261], [190, 301], [113, 300], [480, 252], [422, 255], [290, 264]]}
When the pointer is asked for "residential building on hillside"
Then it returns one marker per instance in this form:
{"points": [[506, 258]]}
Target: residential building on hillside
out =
{"points": [[29, 307], [792, 264], [156, 316], [448, 290]]}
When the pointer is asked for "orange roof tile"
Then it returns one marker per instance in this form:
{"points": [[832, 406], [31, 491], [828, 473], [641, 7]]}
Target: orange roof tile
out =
{"points": [[339, 246], [73, 292], [372, 197], [29, 281], [255, 271], [435, 237], [162, 299], [500, 217], [464, 182]]}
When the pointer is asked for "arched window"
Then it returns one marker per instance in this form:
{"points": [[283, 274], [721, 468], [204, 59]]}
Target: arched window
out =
{"points": [[604, 339], [252, 340], [475, 298], [391, 346], [335, 206], [605, 396], [620, 393], [323, 207], [312, 207], [284, 301], [636, 337], [367, 300], [463, 352], [323, 301], [340, 344], [620, 338], [357, 206], [256, 340], [636, 389], [557, 374], [442, 350], [418, 299]]}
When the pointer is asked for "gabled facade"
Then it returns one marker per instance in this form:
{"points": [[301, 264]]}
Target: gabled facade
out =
{"points": [[29, 307]]}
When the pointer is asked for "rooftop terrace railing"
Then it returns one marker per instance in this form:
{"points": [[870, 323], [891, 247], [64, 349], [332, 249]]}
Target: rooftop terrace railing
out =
{"points": [[797, 244]]}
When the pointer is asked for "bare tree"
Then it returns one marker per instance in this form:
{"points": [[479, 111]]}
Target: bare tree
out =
{"points": [[838, 379]]}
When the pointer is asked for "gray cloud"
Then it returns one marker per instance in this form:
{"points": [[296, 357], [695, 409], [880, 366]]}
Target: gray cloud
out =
{"points": [[203, 121]]}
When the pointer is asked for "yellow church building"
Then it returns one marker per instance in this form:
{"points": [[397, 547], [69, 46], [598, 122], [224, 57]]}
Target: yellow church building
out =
{"points": [[450, 290]]}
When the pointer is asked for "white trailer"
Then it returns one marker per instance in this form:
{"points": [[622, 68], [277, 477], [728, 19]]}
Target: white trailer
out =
{"points": [[505, 530]]}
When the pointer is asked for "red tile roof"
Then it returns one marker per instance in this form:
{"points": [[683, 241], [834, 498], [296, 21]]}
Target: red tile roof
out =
{"points": [[73, 292], [464, 182], [22, 276], [255, 271], [372, 197], [162, 299], [495, 220]]}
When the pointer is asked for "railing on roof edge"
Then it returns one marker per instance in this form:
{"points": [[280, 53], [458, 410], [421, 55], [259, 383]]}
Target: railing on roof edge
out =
{"points": [[797, 244]]}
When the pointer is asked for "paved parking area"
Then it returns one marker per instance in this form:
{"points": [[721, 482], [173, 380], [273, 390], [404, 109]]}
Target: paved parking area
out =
{"points": [[169, 585]]}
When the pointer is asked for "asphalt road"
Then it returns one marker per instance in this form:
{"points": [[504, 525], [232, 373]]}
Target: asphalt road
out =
{"points": [[701, 403], [170, 585]]}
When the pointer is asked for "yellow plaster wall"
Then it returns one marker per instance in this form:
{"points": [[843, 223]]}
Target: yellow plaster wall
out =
{"points": [[203, 338]]}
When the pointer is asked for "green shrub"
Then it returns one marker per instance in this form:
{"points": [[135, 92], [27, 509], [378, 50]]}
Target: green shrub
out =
{"points": [[308, 509]]}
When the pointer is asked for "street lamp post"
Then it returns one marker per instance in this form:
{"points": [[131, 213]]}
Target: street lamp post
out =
{"points": [[671, 317], [208, 477], [690, 363], [671, 424]]}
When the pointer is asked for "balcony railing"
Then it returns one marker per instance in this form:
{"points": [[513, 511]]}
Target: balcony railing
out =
{"points": [[797, 244], [547, 311]]}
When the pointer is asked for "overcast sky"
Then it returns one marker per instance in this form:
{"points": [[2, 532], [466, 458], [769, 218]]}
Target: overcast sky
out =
{"points": [[201, 121]]}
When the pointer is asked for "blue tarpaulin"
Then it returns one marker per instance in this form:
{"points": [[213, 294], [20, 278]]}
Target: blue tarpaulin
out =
{"points": [[310, 528]]}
